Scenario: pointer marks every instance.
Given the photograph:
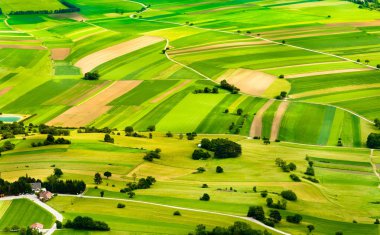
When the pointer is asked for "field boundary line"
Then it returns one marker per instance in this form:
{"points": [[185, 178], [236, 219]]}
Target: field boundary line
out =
{"points": [[180, 208]]}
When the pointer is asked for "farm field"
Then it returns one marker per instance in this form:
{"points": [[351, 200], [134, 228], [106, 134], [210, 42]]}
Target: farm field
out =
{"points": [[291, 80]]}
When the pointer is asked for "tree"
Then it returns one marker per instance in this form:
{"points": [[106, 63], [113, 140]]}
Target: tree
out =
{"points": [[377, 221], [169, 134], [239, 111], [292, 166], [98, 178], [205, 197], [269, 202], [120, 205], [310, 227], [275, 215], [289, 195], [177, 213], [200, 154], [58, 224], [264, 193], [131, 194], [108, 138], [256, 212], [373, 141], [366, 61], [219, 169], [58, 172], [339, 233], [151, 128], [283, 41], [281, 76], [296, 219], [102, 194], [107, 174], [129, 130]]}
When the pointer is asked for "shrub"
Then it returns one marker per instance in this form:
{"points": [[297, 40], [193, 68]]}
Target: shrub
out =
{"points": [[120, 205], [177, 213], [59, 224], [373, 141], [219, 169], [310, 171], [289, 195], [275, 215], [296, 219], [264, 193], [204, 186], [91, 76], [295, 178], [200, 154], [205, 197], [281, 76]]}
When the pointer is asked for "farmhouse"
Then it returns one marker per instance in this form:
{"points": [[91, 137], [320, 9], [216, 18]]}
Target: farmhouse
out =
{"points": [[36, 187], [45, 196], [37, 227]]}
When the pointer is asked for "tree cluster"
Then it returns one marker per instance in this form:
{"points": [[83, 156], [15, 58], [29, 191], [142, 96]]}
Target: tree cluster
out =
{"points": [[108, 139], [295, 219], [9, 130], [191, 135], [149, 156], [279, 205], [143, 183], [50, 140], [310, 169], [284, 166], [55, 185], [222, 148], [238, 227], [87, 223], [21, 186], [200, 154], [51, 130], [207, 90], [295, 178], [93, 129], [229, 87], [257, 213], [7, 146], [91, 76]]}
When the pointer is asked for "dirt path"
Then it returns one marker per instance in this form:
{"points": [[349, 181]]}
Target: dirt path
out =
{"points": [[87, 111], [276, 124], [171, 91], [257, 124], [182, 208], [327, 72], [93, 60], [5, 90], [374, 166]]}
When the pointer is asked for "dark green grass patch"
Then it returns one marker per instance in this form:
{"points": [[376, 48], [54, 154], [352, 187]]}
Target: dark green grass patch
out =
{"points": [[144, 92]]}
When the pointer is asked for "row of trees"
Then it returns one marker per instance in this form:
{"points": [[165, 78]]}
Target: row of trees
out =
{"points": [[55, 185], [45, 129], [229, 87], [92, 129], [207, 90], [50, 140], [222, 148], [238, 227], [87, 223]]}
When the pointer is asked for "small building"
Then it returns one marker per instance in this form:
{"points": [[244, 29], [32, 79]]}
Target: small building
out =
{"points": [[36, 187], [45, 196], [37, 227]]}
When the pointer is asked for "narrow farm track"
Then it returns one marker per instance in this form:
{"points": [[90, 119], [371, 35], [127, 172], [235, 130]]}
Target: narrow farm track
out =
{"points": [[257, 123], [374, 166], [182, 208], [276, 124]]}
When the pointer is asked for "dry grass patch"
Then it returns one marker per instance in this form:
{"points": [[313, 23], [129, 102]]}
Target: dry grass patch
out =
{"points": [[277, 120], [249, 81], [257, 124], [93, 60], [5, 90], [96, 106]]}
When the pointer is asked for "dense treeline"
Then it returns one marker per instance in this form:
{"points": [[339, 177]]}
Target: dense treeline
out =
{"points": [[9, 130], [44, 129], [226, 86], [87, 223], [143, 183], [55, 185], [21, 186], [50, 140], [223, 148], [93, 129], [372, 4], [237, 228]]}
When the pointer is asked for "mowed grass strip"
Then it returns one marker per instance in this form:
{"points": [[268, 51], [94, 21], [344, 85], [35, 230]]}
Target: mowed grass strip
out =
{"points": [[31, 213], [187, 114]]}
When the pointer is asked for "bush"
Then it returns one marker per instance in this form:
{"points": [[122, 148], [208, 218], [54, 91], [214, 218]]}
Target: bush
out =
{"points": [[91, 76], [289, 195], [373, 141], [200, 154], [120, 205], [204, 186], [295, 178], [256, 212], [275, 215], [205, 197], [295, 219], [219, 169], [177, 213], [151, 155], [281, 76], [310, 171], [59, 224], [264, 193]]}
